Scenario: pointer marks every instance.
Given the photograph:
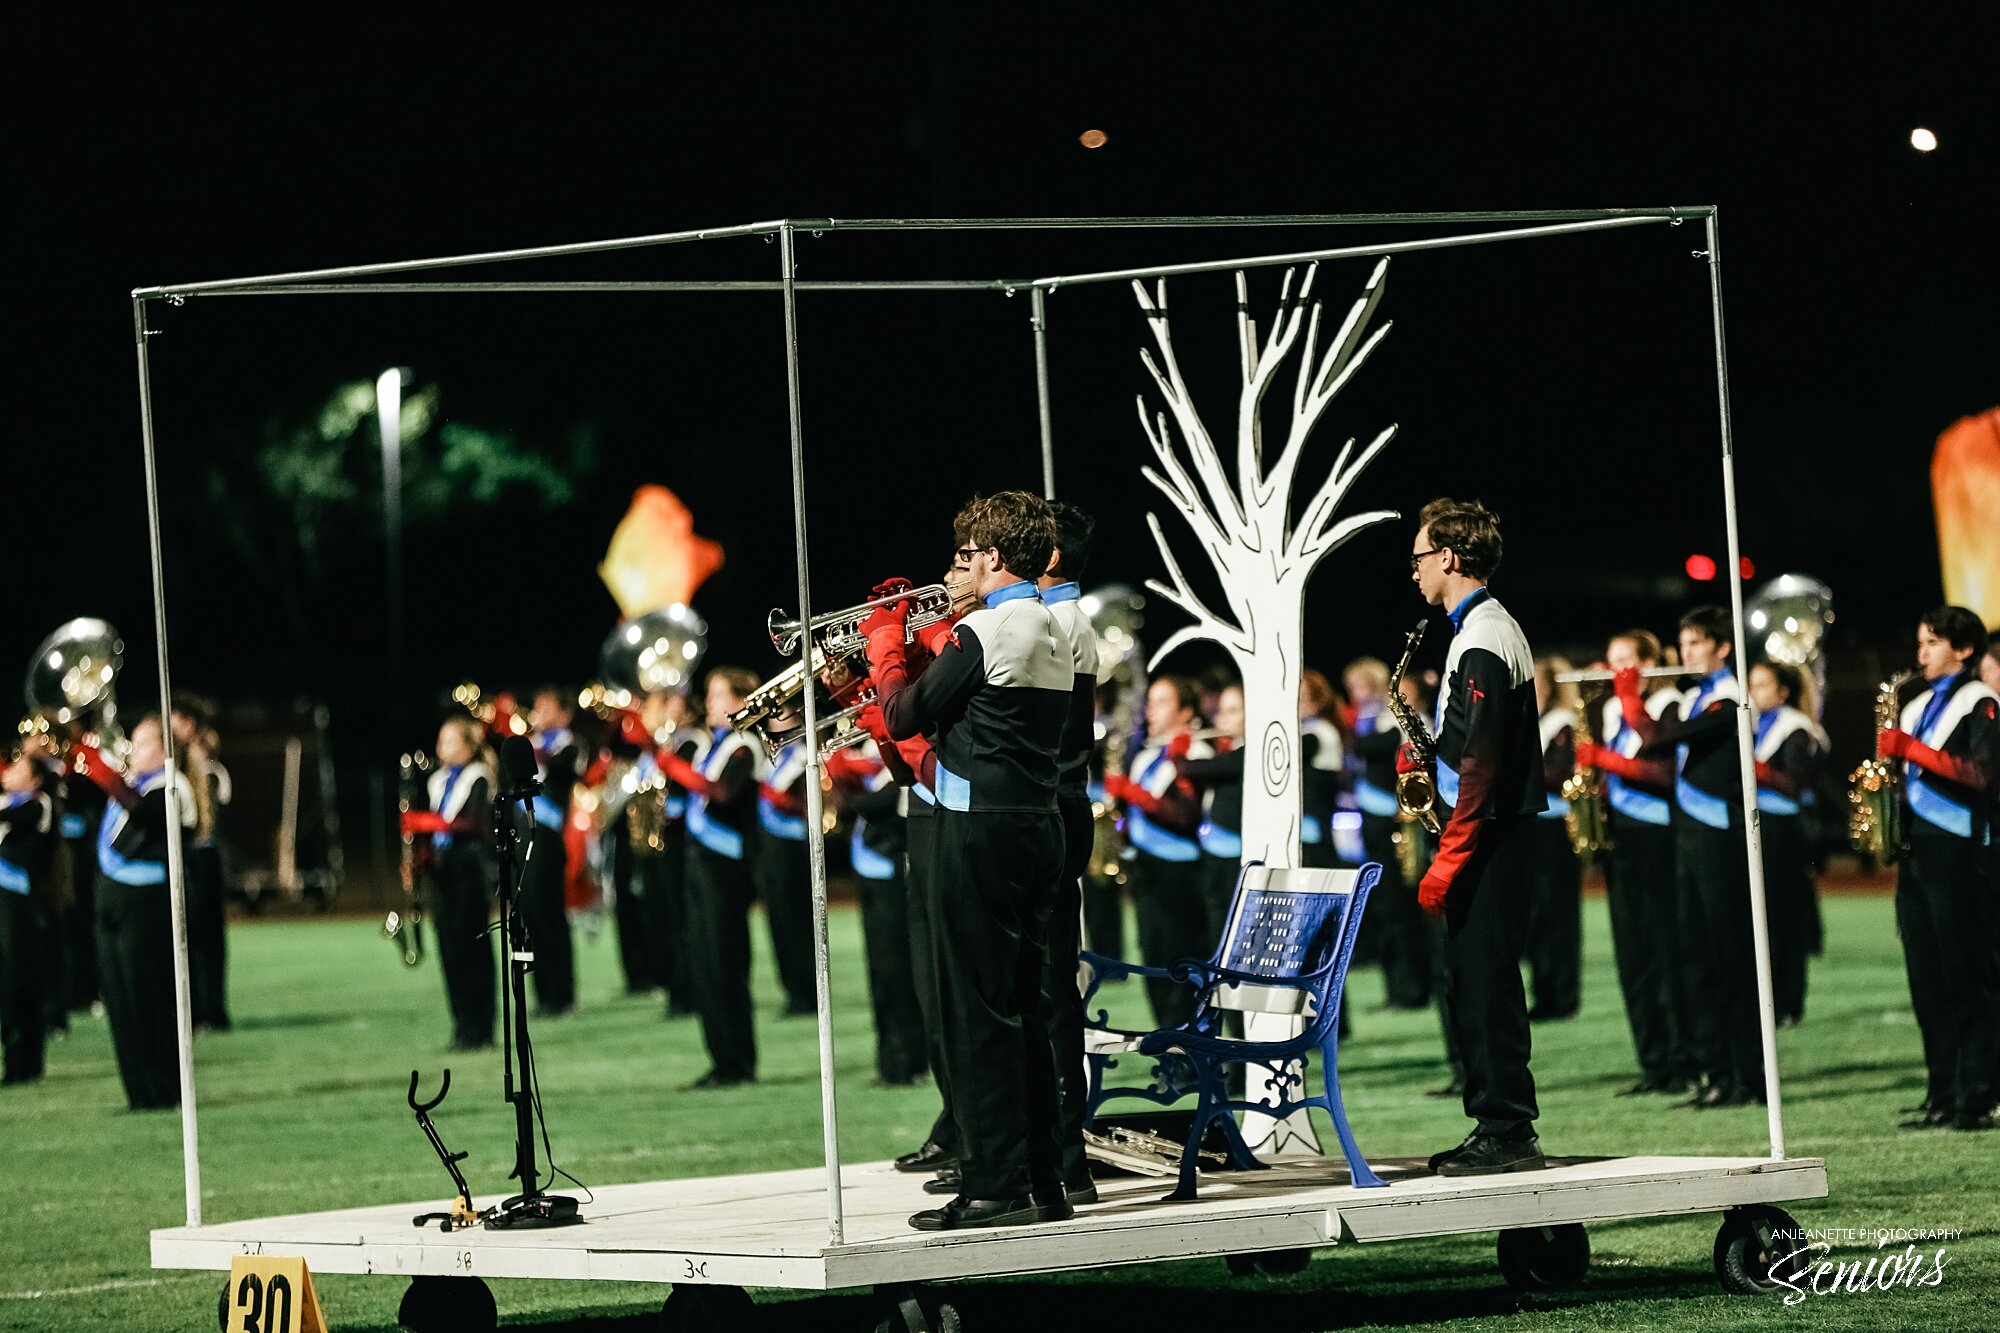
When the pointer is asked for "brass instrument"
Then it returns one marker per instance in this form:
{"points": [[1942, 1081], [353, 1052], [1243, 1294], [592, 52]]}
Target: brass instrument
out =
{"points": [[1416, 791], [405, 927], [70, 688], [1141, 1151], [646, 811], [837, 634], [1874, 793], [1588, 824], [1117, 614], [1412, 855]]}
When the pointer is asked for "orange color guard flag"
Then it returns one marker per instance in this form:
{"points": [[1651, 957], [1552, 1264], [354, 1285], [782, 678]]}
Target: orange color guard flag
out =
{"points": [[1965, 490], [655, 559]]}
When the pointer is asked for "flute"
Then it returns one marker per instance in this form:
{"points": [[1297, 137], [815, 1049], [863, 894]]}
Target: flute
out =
{"points": [[1645, 673]]}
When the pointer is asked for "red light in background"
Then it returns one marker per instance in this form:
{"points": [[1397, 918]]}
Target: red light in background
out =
{"points": [[1700, 568], [1745, 569]]}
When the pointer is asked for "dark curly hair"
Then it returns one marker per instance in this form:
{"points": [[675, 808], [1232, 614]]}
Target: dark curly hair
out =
{"points": [[1017, 525], [1469, 530]]}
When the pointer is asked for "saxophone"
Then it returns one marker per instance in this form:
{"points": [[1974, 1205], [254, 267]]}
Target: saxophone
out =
{"points": [[406, 927], [1874, 793], [1589, 830], [1416, 791]]}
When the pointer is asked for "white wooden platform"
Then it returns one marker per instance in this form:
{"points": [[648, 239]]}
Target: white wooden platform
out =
{"points": [[770, 1230]]}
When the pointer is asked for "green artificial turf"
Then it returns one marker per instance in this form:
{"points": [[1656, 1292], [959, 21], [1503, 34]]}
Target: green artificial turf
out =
{"points": [[302, 1109]]}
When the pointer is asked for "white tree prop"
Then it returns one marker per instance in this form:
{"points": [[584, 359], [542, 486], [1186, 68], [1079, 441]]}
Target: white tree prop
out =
{"points": [[1262, 558]]}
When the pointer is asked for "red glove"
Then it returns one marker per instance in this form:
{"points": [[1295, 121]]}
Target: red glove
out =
{"points": [[790, 802], [847, 766], [1431, 893], [936, 635], [88, 760], [890, 588], [1766, 775], [1625, 684], [1894, 744], [1952, 768], [886, 627], [1588, 755], [1407, 761], [633, 731], [1224, 744], [1178, 747], [1121, 788], [870, 720], [425, 821], [681, 771]]}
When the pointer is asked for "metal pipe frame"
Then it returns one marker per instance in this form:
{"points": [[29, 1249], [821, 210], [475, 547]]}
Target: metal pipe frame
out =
{"points": [[316, 282], [176, 860]]}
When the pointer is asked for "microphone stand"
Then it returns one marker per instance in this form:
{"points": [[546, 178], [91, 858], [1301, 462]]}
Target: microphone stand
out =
{"points": [[532, 1207]]}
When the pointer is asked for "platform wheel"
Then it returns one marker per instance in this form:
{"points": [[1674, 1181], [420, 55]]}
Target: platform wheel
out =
{"points": [[1746, 1247], [917, 1310], [702, 1309], [1542, 1258], [222, 1308], [1268, 1263], [437, 1304]]}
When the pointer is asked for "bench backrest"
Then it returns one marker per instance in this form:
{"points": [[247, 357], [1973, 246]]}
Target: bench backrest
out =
{"points": [[1285, 925]]}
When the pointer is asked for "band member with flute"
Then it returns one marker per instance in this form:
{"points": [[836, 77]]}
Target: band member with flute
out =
{"points": [[996, 699], [1639, 884], [1489, 774], [1946, 897]]}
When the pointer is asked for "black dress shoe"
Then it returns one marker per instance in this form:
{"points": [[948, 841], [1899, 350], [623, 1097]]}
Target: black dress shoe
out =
{"points": [[927, 1159], [945, 1182], [962, 1212], [1438, 1159], [716, 1079], [1488, 1156], [1082, 1192], [1971, 1120]]}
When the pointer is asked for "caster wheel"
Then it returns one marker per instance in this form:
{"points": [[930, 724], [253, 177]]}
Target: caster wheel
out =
{"points": [[1269, 1263], [700, 1309], [1745, 1249], [1542, 1258], [918, 1310], [448, 1305], [222, 1308]]}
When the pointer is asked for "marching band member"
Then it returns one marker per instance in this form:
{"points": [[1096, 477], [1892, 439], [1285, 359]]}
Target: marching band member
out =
{"points": [[659, 853], [1555, 922], [996, 699], [1949, 739], [784, 877], [1219, 780], [721, 816], [1639, 882], [27, 865], [192, 721], [1790, 749], [1163, 855], [1320, 758], [1711, 866], [878, 850], [135, 943], [1489, 776], [1402, 933], [459, 855], [559, 762], [1062, 594]]}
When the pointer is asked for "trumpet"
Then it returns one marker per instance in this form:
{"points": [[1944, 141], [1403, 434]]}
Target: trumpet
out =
{"points": [[775, 713], [837, 634]]}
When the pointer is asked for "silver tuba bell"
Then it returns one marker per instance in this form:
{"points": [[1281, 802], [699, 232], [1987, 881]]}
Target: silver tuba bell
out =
{"points": [[660, 650], [72, 681]]}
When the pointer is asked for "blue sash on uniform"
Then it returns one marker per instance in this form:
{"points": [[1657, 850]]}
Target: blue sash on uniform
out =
{"points": [[1926, 801], [781, 823], [1769, 801], [1700, 806], [128, 869], [1218, 841], [952, 791], [707, 830], [867, 862], [1635, 803], [441, 840], [13, 878], [1149, 837]]}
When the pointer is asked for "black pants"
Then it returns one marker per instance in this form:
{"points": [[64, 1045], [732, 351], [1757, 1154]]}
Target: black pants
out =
{"points": [[661, 880], [1646, 944], [1060, 990], [1486, 928], [77, 923], [1104, 914], [208, 943], [628, 907], [546, 916], [135, 966], [1555, 921], [1405, 936], [1172, 925], [892, 994], [719, 891], [1946, 914], [1712, 872], [784, 882], [923, 966], [461, 887], [1788, 888], [991, 901], [24, 946]]}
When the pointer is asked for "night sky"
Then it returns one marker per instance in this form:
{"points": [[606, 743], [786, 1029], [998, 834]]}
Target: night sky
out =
{"points": [[1568, 382]]}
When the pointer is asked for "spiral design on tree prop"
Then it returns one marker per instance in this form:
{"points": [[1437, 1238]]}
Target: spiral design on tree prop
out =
{"points": [[1277, 760]]}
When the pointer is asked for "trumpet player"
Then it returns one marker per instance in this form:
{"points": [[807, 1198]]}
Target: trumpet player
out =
{"points": [[721, 821], [1945, 894], [1790, 750], [1639, 873], [995, 699], [1555, 923], [1489, 775]]}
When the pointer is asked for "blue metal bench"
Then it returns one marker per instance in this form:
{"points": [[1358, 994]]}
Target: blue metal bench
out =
{"points": [[1284, 951]]}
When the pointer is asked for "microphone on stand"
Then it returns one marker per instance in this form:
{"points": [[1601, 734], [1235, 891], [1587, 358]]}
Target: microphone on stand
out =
{"points": [[520, 778]]}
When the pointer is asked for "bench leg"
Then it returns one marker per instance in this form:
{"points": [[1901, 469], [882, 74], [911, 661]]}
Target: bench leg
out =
{"points": [[1358, 1169]]}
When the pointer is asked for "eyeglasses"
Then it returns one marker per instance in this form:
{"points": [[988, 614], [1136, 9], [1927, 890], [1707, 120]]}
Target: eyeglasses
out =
{"points": [[963, 555], [1418, 558]]}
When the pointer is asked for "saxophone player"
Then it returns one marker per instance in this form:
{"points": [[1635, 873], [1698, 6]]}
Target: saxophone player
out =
{"points": [[1945, 892], [1489, 774]]}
